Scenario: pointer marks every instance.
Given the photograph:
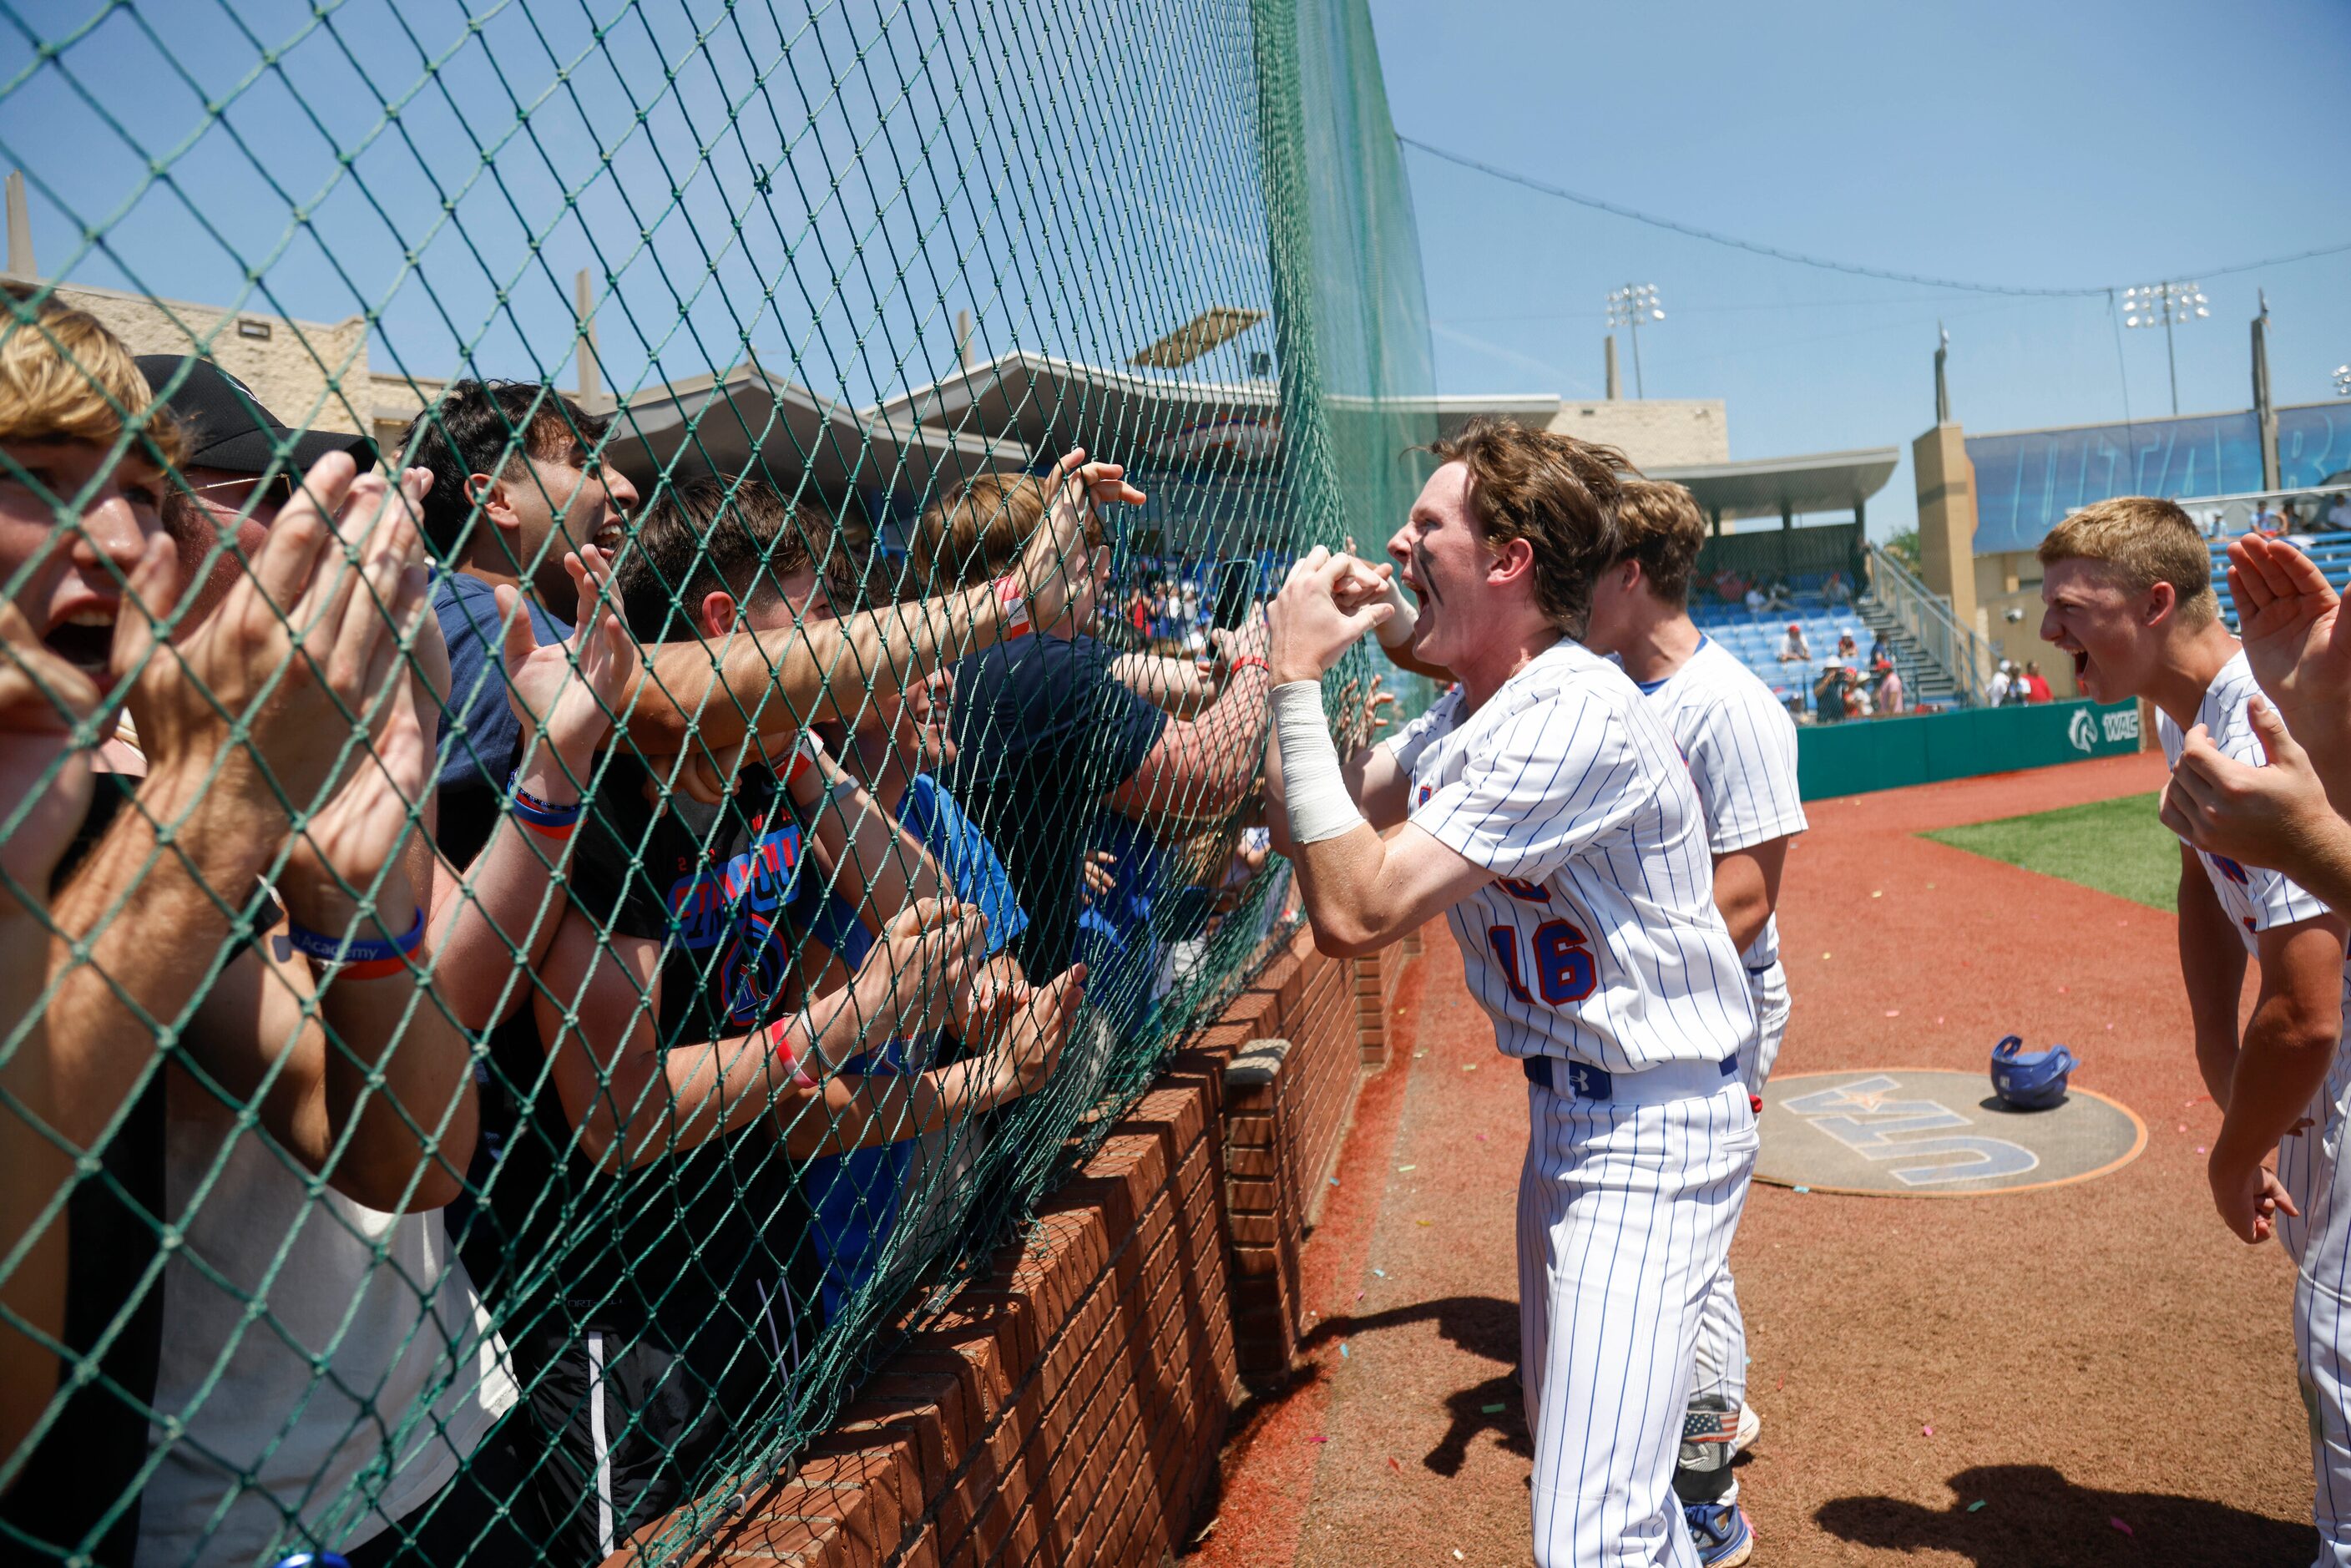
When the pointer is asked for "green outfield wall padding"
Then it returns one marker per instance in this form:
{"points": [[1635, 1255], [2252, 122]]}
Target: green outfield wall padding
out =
{"points": [[1860, 756]]}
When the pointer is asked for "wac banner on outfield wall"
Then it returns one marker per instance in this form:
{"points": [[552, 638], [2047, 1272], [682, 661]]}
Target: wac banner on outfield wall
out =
{"points": [[1862, 755]]}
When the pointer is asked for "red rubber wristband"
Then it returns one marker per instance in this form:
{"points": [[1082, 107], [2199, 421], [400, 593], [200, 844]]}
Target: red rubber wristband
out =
{"points": [[1014, 604]]}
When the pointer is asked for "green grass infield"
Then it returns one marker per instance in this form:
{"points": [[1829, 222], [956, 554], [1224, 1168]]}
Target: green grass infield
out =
{"points": [[2115, 846]]}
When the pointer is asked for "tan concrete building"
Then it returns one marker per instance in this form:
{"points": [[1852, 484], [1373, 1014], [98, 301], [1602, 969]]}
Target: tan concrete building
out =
{"points": [[311, 375], [1655, 432]]}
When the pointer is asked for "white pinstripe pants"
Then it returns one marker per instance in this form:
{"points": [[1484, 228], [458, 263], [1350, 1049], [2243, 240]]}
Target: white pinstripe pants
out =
{"points": [[1625, 1214], [1722, 1332], [2310, 1165]]}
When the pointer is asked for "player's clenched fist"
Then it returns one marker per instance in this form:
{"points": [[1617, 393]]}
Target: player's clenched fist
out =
{"points": [[2250, 1198], [1308, 628]]}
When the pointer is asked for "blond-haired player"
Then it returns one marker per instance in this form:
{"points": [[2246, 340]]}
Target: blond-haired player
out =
{"points": [[2128, 597]]}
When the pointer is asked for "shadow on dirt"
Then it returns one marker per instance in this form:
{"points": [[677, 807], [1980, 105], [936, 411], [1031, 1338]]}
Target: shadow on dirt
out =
{"points": [[1485, 1326], [2032, 1513]]}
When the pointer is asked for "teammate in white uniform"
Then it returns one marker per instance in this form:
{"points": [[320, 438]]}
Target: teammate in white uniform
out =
{"points": [[1741, 746], [2128, 596], [1546, 811]]}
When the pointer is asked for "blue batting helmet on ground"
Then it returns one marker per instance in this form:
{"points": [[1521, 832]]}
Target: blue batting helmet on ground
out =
{"points": [[2030, 1081]]}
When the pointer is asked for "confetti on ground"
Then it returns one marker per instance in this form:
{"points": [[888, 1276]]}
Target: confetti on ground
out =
{"points": [[1893, 1012], [1343, 1349], [1494, 1409], [1396, 1463], [1876, 895], [1401, 1169], [1468, 1067], [1457, 1557], [1975, 1505], [2063, 990], [1804, 1190], [1359, 1295], [1383, 1274], [1334, 1181], [1420, 1222], [1318, 1438], [1481, 1137], [1938, 1018], [1825, 954], [2200, 1148], [2126, 1529], [1418, 1054], [1926, 1431]]}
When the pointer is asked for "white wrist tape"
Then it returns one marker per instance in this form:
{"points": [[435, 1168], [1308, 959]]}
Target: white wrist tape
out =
{"points": [[1313, 791]]}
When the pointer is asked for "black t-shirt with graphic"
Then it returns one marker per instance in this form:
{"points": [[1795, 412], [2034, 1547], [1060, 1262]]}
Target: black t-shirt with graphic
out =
{"points": [[712, 1235]]}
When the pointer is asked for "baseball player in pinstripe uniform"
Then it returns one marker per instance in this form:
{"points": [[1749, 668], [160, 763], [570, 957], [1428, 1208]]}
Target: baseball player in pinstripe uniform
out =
{"points": [[2127, 595], [1546, 813], [1741, 746]]}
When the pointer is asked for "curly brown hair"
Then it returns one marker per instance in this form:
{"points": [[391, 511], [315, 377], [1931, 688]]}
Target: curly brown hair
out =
{"points": [[1664, 531], [1559, 493]]}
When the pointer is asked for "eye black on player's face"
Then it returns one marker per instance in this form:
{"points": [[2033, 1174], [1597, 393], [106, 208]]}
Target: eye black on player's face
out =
{"points": [[1441, 556]]}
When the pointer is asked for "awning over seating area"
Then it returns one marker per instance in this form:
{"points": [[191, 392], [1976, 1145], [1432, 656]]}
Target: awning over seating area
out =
{"points": [[744, 420], [1140, 417], [1787, 487]]}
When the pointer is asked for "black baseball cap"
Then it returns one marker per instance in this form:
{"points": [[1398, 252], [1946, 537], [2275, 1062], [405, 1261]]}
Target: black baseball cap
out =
{"points": [[227, 427]]}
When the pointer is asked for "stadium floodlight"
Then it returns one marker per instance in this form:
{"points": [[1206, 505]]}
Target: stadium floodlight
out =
{"points": [[2165, 305], [2343, 381], [1629, 307]]}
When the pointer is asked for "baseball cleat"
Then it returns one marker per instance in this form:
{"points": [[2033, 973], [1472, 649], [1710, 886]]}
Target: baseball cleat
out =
{"points": [[1751, 1426], [1719, 1532]]}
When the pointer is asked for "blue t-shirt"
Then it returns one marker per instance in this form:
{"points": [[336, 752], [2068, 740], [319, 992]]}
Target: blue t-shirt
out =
{"points": [[479, 734], [855, 1197], [967, 859]]}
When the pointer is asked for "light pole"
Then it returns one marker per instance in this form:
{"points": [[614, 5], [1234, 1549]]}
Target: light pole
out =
{"points": [[2165, 305], [1629, 307]]}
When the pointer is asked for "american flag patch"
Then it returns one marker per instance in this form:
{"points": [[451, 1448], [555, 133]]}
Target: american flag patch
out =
{"points": [[1709, 1426]]}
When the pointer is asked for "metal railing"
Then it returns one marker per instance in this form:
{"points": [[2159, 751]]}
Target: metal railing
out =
{"points": [[2313, 509], [1926, 617]]}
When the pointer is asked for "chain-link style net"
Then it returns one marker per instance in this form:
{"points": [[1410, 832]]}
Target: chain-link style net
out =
{"points": [[575, 852]]}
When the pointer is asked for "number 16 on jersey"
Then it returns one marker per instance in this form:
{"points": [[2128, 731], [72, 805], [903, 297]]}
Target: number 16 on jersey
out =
{"points": [[1564, 967]]}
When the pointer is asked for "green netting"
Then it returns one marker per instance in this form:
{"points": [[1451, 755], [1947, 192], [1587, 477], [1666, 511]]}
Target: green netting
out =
{"points": [[562, 1222]]}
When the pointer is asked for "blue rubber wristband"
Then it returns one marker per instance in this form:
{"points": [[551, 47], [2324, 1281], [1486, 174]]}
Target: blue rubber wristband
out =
{"points": [[353, 949], [545, 813]]}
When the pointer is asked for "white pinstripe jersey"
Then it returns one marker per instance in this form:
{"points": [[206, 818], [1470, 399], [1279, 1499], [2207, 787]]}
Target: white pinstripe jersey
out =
{"points": [[1741, 746], [1598, 941], [2255, 899]]}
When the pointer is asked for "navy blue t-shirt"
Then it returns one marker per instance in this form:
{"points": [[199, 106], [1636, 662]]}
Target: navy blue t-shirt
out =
{"points": [[1044, 731], [480, 736]]}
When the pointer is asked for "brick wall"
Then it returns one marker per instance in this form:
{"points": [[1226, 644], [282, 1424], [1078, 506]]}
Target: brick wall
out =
{"points": [[1069, 1408], [1297, 1057]]}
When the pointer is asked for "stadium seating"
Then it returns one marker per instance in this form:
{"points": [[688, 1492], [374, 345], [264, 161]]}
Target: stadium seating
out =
{"points": [[1753, 637]]}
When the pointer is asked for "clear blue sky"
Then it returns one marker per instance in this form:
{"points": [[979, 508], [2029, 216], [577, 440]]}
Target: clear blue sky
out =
{"points": [[2080, 143], [2086, 143]]}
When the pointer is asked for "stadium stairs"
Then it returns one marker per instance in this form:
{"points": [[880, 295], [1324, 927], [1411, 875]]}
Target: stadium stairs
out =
{"points": [[1754, 638]]}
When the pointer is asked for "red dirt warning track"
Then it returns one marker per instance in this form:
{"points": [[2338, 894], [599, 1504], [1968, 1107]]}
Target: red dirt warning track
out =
{"points": [[2103, 1366]]}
